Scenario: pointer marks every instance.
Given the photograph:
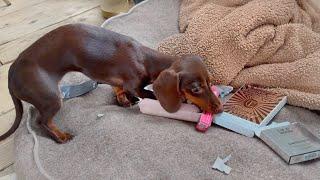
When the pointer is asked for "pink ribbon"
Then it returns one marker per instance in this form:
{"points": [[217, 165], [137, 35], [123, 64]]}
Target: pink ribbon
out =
{"points": [[206, 119]]}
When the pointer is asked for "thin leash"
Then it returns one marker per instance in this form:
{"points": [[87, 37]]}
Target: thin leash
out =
{"points": [[67, 92], [36, 148]]}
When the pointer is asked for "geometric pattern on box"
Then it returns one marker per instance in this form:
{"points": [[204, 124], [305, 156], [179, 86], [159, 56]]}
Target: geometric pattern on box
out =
{"points": [[252, 103]]}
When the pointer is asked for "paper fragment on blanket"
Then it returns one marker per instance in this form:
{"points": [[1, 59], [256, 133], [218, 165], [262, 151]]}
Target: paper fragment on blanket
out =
{"points": [[100, 115], [220, 165]]}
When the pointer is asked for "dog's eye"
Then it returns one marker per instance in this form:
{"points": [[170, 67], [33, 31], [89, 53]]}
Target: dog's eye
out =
{"points": [[196, 90]]}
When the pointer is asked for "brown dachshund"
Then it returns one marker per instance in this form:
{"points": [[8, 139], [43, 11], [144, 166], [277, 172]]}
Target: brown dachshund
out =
{"points": [[106, 57]]}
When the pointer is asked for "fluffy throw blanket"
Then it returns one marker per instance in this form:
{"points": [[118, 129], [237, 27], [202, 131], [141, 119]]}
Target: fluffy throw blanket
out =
{"points": [[272, 43]]}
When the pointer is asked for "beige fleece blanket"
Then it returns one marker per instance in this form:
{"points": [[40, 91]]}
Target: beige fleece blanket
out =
{"points": [[272, 43]]}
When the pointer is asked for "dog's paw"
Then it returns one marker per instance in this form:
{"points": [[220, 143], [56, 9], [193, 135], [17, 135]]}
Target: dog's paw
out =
{"points": [[68, 136], [134, 100], [124, 101], [64, 138]]}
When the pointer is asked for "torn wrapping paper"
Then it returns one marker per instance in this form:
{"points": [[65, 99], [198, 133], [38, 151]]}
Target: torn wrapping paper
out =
{"points": [[100, 115], [71, 91], [220, 165]]}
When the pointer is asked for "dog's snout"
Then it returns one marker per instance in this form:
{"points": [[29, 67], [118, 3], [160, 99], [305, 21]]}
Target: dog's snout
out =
{"points": [[216, 104], [219, 109]]}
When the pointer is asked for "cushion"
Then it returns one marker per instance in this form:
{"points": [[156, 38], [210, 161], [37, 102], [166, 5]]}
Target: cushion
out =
{"points": [[125, 144]]}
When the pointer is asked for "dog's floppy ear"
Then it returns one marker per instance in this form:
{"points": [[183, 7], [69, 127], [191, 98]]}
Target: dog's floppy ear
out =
{"points": [[166, 88]]}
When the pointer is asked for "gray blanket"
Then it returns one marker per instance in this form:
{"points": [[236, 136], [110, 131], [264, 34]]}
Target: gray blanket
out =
{"points": [[125, 144]]}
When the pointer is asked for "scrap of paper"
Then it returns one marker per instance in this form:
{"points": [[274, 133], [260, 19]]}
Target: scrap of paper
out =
{"points": [[100, 115], [220, 165], [71, 91]]}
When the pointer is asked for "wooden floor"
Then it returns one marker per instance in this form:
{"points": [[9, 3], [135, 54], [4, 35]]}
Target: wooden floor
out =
{"points": [[26, 20]]}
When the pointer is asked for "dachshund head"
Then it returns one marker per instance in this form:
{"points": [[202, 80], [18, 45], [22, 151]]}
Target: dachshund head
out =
{"points": [[186, 79]]}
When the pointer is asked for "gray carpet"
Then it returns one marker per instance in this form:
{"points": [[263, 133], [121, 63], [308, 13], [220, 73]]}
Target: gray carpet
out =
{"points": [[125, 144]]}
